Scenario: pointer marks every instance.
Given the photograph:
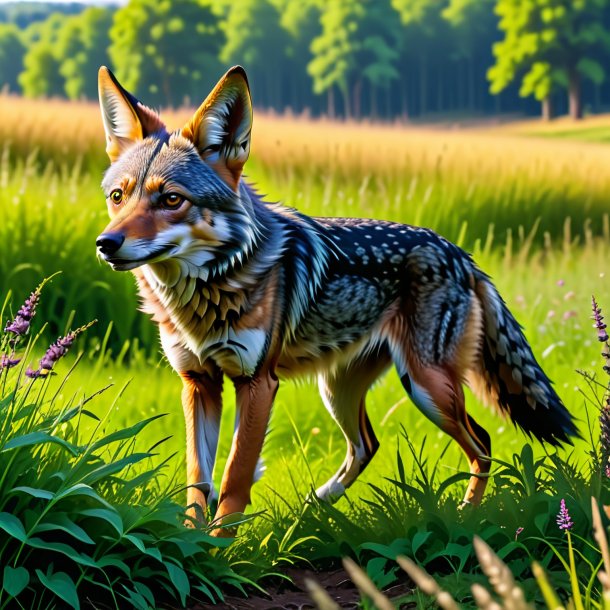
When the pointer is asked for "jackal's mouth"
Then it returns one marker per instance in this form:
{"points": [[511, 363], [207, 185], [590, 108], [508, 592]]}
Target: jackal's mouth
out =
{"points": [[125, 264]]}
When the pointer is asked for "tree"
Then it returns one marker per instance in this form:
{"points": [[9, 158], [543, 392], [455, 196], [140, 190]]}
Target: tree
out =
{"points": [[82, 47], [174, 42], [12, 51], [358, 39], [255, 38], [424, 33], [41, 77], [301, 20], [471, 22], [551, 44]]}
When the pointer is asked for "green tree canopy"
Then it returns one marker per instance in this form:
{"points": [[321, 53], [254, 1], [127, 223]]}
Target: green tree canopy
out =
{"points": [[12, 50], [172, 42], [549, 44], [358, 38], [41, 77], [256, 39], [82, 47]]}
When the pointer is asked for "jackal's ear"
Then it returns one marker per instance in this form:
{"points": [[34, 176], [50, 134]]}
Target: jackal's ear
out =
{"points": [[126, 120], [220, 128]]}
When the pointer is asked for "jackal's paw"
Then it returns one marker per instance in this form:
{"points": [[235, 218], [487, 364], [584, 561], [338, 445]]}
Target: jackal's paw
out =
{"points": [[331, 491]]}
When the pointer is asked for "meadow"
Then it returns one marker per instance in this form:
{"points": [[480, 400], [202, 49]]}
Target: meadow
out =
{"points": [[530, 206]]}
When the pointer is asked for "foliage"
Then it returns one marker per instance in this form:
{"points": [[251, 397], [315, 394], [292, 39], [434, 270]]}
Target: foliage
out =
{"points": [[88, 515], [383, 58], [12, 50], [552, 44], [172, 43], [82, 46]]}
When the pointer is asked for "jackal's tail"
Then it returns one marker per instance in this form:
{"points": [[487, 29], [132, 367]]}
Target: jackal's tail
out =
{"points": [[509, 376]]}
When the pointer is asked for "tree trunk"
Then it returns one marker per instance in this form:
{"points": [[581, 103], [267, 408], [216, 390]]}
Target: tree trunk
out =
{"points": [[404, 99], [423, 84], [346, 108], [167, 92], [330, 100], [357, 105], [547, 109], [374, 114], [574, 95], [471, 84]]}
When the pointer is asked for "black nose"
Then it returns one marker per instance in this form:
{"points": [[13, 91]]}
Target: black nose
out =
{"points": [[109, 243]]}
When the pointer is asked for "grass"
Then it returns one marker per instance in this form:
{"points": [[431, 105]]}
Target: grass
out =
{"points": [[532, 210]]}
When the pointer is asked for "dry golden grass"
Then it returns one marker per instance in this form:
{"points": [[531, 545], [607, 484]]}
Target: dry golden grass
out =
{"points": [[441, 178]]}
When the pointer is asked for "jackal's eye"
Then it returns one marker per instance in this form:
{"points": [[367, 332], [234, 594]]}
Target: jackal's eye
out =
{"points": [[116, 196], [171, 201]]}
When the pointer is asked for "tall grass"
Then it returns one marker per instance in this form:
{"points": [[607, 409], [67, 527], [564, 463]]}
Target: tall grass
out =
{"points": [[474, 187], [533, 212]]}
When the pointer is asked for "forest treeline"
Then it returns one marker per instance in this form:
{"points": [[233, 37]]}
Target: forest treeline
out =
{"points": [[350, 58]]}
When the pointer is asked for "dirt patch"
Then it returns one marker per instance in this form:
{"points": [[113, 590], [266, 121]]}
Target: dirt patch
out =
{"points": [[285, 595]]}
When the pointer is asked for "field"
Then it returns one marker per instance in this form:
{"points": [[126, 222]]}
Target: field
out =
{"points": [[531, 208]]}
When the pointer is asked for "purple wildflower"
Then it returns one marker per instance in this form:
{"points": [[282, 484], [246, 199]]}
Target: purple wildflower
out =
{"points": [[564, 521], [21, 324], [602, 335], [55, 352], [8, 362]]}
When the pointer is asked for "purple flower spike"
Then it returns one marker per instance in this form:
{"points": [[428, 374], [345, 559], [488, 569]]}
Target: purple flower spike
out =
{"points": [[34, 373], [55, 353], [602, 335], [564, 521], [21, 324], [8, 362]]}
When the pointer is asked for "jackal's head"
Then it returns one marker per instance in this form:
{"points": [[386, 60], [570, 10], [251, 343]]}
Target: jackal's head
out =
{"points": [[175, 195]]}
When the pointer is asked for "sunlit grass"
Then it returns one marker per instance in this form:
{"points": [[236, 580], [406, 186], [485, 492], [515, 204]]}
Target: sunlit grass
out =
{"points": [[532, 210]]}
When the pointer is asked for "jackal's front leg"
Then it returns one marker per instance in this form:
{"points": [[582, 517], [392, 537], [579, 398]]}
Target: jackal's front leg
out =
{"points": [[254, 400], [202, 404]]}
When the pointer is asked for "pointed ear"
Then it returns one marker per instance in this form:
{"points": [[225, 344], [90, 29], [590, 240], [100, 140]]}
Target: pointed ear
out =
{"points": [[220, 129], [126, 120]]}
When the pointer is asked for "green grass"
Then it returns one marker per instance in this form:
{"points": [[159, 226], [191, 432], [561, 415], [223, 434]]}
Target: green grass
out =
{"points": [[536, 223]]}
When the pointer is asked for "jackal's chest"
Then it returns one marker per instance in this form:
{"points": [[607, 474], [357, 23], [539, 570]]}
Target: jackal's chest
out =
{"points": [[200, 321]]}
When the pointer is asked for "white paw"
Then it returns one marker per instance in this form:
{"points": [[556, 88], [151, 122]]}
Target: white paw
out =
{"points": [[330, 491]]}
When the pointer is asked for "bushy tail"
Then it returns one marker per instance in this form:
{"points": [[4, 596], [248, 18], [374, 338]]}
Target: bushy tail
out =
{"points": [[509, 375]]}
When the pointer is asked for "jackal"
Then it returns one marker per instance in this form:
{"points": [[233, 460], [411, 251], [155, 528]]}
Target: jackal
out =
{"points": [[254, 291]]}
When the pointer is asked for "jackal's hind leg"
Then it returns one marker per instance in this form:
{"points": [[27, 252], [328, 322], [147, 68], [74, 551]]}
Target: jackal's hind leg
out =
{"points": [[439, 395], [343, 393]]}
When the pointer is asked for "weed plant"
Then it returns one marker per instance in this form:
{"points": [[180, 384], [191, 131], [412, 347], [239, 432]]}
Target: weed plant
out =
{"points": [[86, 517]]}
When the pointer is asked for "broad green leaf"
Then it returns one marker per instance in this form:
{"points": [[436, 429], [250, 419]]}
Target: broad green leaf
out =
{"points": [[61, 521], [15, 580], [64, 549], [179, 580], [39, 438], [145, 592], [123, 433], [418, 540], [114, 467], [43, 494], [12, 526], [137, 600], [115, 562], [62, 586], [106, 514], [80, 489], [136, 542]]}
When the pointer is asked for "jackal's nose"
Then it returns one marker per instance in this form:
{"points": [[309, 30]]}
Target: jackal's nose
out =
{"points": [[109, 243]]}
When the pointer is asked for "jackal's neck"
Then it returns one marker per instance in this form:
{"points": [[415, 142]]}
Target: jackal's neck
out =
{"points": [[204, 294]]}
